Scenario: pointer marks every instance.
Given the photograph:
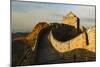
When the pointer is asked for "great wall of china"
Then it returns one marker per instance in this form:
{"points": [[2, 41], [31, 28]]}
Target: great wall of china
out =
{"points": [[77, 42], [80, 45]]}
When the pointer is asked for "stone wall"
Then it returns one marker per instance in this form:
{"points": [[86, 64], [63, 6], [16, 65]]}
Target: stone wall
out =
{"points": [[32, 37], [50, 50], [26, 56], [77, 42], [91, 37], [76, 49]]}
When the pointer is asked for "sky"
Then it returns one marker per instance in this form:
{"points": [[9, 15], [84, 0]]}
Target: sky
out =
{"points": [[25, 15]]}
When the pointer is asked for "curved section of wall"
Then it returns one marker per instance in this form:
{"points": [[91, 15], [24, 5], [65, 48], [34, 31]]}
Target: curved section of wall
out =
{"points": [[75, 43], [32, 37], [59, 46], [65, 31]]}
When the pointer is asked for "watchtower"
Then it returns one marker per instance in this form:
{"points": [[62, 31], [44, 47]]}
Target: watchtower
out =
{"points": [[72, 19]]}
